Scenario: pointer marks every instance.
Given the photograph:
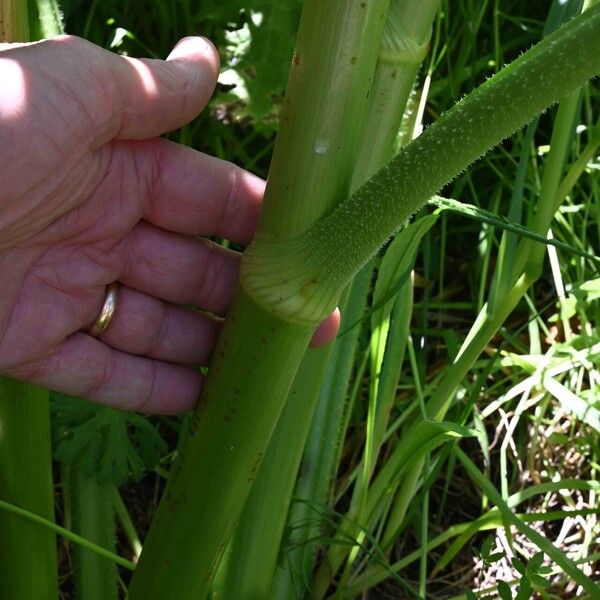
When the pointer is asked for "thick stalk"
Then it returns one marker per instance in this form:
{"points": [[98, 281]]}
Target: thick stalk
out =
{"points": [[242, 398], [14, 21], [230, 430], [526, 265], [27, 550], [255, 545], [404, 46], [93, 519], [294, 277], [28, 564]]}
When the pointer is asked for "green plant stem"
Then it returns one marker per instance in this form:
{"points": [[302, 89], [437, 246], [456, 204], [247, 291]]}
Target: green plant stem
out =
{"points": [[42, 523], [242, 398], [14, 21], [127, 524], [229, 433], [93, 519], [404, 44], [526, 264], [27, 552], [250, 569], [45, 18], [323, 447], [294, 277], [336, 78], [254, 550]]}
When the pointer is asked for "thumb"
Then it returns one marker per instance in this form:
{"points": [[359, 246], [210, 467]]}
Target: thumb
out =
{"points": [[158, 96]]}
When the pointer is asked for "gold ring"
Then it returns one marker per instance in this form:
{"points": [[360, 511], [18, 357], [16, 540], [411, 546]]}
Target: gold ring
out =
{"points": [[107, 312]]}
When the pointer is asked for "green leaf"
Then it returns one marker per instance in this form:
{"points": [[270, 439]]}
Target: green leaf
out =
{"points": [[525, 590], [492, 558], [108, 443], [259, 31], [483, 216], [470, 595], [486, 552], [535, 562], [486, 547], [504, 590], [519, 566], [538, 581], [573, 403]]}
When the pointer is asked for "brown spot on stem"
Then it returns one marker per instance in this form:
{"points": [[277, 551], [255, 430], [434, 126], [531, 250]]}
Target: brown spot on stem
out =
{"points": [[296, 59], [353, 60]]}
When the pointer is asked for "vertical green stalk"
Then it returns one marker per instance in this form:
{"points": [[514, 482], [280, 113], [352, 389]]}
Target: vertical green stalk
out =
{"points": [[404, 45], [252, 557], [28, 564], [14, 21], [93, 518], [258, 354]]}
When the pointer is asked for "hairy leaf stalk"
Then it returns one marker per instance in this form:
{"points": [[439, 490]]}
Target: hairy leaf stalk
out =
{"points": [[294, 279]]}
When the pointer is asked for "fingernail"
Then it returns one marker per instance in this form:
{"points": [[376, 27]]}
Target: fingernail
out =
{"points": [[192, 48]]}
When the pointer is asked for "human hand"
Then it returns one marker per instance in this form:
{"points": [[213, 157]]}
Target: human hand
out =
{"points": [[90, 195]]}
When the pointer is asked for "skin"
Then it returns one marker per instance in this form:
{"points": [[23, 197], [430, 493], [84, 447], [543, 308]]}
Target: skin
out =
{"points": [[89, 194]]}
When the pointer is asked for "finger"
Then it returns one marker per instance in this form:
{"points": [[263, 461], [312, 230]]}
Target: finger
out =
{"points": [[197, 194], [86, 367], [157, 96], [327, 330], [147, 326], [181, 269]]}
